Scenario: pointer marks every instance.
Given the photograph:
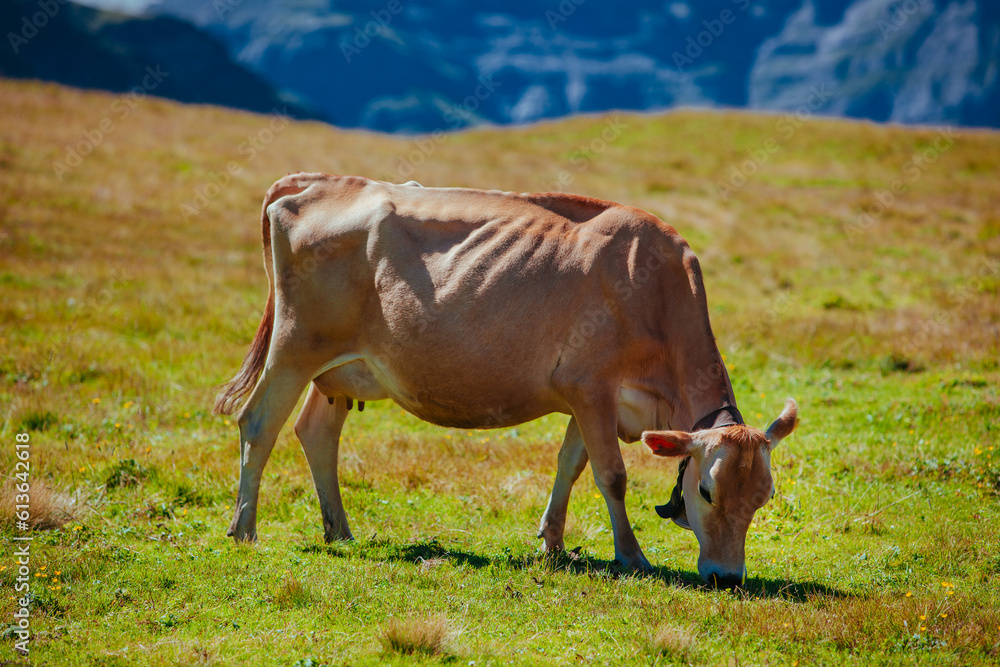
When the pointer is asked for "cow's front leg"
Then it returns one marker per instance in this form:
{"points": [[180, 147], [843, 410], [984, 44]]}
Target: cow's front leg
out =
{"points": [[318, 429], [600, 435], [272, 400], [572, 461]]}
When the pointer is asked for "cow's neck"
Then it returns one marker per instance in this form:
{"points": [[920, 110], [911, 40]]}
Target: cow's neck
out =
{"points": [[705, 398]]}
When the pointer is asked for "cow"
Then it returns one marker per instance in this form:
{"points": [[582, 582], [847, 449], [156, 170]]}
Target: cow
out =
{"points": [[486, 309]]}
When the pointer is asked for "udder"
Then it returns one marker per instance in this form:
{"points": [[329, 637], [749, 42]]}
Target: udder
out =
{"points": [[353, 379]]}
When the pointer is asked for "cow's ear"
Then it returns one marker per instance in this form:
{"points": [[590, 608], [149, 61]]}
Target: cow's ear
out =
{"points": [[784, 424], [668, 443]]}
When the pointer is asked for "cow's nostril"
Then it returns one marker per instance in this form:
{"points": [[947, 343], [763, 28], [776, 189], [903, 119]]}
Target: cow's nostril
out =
{"points": [[725, 580]]}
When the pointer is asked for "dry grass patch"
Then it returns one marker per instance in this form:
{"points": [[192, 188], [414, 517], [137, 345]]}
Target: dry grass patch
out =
{"points": [[673, 642], [430, 636], [427, 564], [292, 593], [48, 508]]}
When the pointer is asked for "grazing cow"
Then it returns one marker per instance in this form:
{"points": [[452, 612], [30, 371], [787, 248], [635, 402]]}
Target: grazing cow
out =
{"points": [[486, 309]]}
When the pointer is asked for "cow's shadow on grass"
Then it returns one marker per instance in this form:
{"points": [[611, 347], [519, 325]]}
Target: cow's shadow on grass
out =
{"points": [[430, 553]]}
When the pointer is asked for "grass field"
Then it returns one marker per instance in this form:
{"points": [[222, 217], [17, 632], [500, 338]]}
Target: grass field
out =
{"points": [[852, 266]]}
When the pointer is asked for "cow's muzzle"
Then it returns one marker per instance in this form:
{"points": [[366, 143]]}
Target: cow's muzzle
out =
{"points": [[725, 579]]}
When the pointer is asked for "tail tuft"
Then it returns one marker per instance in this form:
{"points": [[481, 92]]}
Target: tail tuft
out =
{"points": [[233, 392]]}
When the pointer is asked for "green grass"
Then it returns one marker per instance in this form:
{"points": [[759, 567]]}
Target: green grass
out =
{"points": [[118, 318]]}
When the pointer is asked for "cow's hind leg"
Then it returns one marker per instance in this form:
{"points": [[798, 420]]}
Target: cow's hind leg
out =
{"points": [[599, 428], [266, 411], [572, 461], [318, 429]]}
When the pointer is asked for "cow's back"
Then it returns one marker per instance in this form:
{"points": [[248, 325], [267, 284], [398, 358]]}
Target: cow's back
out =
{"points": [[469, 302]]}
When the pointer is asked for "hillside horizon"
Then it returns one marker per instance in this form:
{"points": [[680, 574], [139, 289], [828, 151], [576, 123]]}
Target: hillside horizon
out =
{"points": [[820, 188]]}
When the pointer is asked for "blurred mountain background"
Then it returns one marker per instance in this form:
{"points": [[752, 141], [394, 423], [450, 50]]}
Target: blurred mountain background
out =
{"points": [[427, 65]]}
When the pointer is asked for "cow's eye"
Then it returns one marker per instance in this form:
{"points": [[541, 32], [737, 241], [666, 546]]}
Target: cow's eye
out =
{"points": [[705, 494]]}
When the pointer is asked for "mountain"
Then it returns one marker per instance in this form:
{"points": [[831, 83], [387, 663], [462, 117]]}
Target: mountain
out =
{"points": [[421, 65], [159, 55], [907, 62], [428, 65], [424, 65]]}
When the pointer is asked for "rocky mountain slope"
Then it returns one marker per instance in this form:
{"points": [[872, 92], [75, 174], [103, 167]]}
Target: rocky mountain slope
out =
{"points": [[427, 65], [423, 65], [157, 55]]}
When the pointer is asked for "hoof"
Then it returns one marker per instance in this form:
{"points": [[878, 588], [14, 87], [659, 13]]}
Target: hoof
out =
{"points": [[638, 565], [552, 543], [242, 536], [332, 537], [553, 547]]}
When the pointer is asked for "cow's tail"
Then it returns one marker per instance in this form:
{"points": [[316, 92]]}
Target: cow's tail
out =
{"points": [[232, 393]]}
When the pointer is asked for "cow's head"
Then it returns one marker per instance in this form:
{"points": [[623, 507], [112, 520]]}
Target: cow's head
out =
{"points": [[726, 481]]}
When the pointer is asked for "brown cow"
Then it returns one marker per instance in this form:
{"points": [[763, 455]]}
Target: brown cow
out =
{"points": [[486, 309]]}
